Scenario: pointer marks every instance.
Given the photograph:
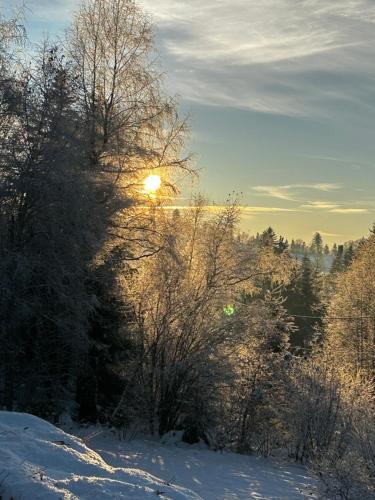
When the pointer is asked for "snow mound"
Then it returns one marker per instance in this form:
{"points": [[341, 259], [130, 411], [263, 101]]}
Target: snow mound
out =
{"points": [[39, 461]]}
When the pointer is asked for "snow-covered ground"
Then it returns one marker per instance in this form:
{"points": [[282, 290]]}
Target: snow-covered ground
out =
{"points": [[39, 461], [211, 475]]}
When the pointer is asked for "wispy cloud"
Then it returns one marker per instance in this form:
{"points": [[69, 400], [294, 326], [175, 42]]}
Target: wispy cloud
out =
{"points": [[349, 210], [245, 210], [336, 208], [334, 159], [274, 56], [59, 11], [280, 192], [325, 233], [321, 205], [266, 210], [290, 192]]}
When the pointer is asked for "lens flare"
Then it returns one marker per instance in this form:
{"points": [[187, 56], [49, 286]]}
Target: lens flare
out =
{"points": [[229, 310], [152, 183]]}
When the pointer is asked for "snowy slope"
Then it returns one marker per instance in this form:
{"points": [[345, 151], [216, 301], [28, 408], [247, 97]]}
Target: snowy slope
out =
{"points": [[39, 461], [213, 476]]}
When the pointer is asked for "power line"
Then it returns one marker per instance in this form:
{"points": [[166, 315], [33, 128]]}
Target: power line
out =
{"points": [[334, 317]]}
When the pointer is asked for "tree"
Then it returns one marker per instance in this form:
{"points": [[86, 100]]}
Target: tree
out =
{"points": [[132, 126], [348, 256], [187, 317], [48, 234], [303, 301], [312, 414], [258, 363], [79, 134], [178, 297], [133, 130], [268, 238], [282, 245], [338, 262], [317, 250], [351, 313], [317, 243]]}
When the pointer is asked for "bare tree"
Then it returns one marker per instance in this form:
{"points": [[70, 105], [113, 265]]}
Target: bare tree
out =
{"points": [[132, 126], [183, 301]]}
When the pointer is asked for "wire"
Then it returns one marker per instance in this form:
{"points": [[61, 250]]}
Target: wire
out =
{"points": [[333, 317]]}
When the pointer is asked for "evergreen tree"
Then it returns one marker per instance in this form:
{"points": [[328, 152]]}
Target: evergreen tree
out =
{"points": [[317, 244], [302, 299], [306, 287], [338, 263], [281, 245], [317, 250], [348, 256], [268, 238]]}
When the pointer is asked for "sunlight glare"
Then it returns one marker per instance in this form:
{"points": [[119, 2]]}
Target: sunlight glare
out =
{"points": [[152, 183]]}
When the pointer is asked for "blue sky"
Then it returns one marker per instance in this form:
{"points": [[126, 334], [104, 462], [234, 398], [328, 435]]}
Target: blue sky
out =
{"points": [[282, 99]]}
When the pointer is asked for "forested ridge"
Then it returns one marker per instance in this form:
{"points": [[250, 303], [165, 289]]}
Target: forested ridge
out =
{"points": [[118, 307]]}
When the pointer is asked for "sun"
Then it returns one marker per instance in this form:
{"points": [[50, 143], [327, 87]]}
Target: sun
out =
{"points": [[152, 183]]}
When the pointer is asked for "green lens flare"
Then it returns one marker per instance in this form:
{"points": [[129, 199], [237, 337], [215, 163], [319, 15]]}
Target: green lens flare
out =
{"points": [[229, 310]]}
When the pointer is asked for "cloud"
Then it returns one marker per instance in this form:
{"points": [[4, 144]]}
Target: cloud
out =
{"points": [[266, 210], [60, 11], [334, 159], [274, 56], [349, 210], [335, 208], [328, 235], [281, 192], [321, 205], [289, 192], [245, 210], [294, 58], [322, 187]]}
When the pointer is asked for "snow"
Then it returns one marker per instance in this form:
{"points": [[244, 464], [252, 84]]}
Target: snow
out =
{"points": [[39, 461], [212, 475]]}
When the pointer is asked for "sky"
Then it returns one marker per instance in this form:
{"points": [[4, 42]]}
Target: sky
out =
{"points": [[281, 98]]}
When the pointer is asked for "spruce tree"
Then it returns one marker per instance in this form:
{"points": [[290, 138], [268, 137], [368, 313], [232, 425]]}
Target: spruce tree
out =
{"points": [[348, 256], [338, 263], [317, 250], [303, 302], [268, 238]]}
